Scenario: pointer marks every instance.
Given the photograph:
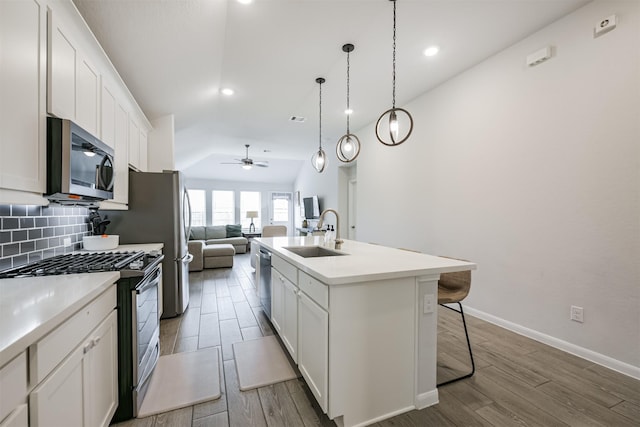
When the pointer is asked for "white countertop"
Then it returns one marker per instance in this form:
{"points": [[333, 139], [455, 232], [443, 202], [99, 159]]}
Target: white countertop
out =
{"points": [[32, 307], [364, 262], [146, 247]]}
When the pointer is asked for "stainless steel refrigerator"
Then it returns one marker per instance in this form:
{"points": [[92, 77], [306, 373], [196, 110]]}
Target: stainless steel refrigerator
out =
{"points": [[159, 212]]}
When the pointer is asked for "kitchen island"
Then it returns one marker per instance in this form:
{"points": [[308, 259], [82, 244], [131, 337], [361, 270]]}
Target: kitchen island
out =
{"points": [[361, 324]]}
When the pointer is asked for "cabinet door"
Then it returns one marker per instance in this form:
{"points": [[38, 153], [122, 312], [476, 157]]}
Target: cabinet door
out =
{"points": [[100, 366], [108, 116], [277, 302], [87, 96], [134, 144], [57, 401], [61, 73], [18, 418], [313, 347], [121, 167], [22, 95], [289, 332]]}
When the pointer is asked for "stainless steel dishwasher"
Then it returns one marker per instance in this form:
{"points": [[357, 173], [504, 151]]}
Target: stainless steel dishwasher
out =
{"points": [[264, 286]]}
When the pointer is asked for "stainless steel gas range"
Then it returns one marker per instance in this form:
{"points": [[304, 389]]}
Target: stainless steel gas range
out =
{"points": [[138, 313]]}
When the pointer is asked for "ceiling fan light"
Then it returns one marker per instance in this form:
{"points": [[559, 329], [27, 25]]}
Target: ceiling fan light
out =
{"points": [[348, 111], [246, 167]]}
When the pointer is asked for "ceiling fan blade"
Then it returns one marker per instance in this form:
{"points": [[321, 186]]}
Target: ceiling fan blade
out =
{"points": [[261, 164], [230, 163]]}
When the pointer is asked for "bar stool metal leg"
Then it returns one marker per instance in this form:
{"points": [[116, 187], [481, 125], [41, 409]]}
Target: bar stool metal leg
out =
{"points": [[466, 333]]}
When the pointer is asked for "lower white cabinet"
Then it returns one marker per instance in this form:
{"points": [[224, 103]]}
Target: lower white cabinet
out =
{"points": [[277, 302], [83, 389], [313, 347], [18, 418], [290, 318]]}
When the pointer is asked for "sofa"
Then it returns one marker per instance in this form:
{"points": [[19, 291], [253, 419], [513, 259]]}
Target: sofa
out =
{"points": [[214, 246]]}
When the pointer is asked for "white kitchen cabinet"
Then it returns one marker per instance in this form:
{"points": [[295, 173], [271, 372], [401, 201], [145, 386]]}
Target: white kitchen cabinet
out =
{"points": [[277, 300], [61, 73], [87, 95], [13, 388], [289, 333], [108, 116], [134, 143], [18, 418], [22, 96], [82, 390], [313, 347]]}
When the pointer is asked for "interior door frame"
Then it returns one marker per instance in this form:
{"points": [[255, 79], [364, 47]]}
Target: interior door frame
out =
{"points": [[289, 222]]}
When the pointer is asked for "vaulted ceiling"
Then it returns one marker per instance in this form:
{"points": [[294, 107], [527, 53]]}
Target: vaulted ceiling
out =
{"points": [[177, 55]]}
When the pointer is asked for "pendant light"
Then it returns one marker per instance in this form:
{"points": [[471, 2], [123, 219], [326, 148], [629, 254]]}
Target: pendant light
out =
{"points": [[348, 146], [319, 158], [393, 121]]}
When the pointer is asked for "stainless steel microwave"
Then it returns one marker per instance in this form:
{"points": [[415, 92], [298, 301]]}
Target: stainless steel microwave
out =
{"points": [[79, 165]]}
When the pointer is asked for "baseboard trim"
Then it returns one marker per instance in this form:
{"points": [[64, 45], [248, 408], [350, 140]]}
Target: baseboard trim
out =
{"points": [[590, 355], [429, 398]]}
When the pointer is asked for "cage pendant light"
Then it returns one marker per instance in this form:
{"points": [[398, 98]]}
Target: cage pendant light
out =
{"points": [[348, 146], [319, 158], [396, 124]]}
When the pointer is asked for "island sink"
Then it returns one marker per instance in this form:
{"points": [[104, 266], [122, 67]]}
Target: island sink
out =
{"points": [[312, 251]]}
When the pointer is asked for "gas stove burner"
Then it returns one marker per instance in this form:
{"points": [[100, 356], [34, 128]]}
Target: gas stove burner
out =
{"points": [[76, 263]]}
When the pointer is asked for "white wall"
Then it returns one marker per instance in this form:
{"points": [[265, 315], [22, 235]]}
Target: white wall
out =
{"points": [[237, 186], [533, 173]]}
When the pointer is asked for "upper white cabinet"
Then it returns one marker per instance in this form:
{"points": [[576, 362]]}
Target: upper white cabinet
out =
{"points": [[134, 143], [108, 116], [143, 152], [22, 97], [61, 70], [121, 183], [87, 96]]}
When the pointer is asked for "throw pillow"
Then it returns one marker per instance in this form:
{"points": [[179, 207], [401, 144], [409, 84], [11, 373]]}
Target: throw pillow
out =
{"points": [[197, 233], [234, 230], [215, 232]]}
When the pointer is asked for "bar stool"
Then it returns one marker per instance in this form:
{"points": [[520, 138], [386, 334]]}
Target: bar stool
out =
{"points": [[453, 288]]}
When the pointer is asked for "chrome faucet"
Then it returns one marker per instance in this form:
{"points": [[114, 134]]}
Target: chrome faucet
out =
{"points": [[321, 220]]}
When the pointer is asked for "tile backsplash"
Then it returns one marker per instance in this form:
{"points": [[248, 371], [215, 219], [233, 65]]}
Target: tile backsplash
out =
{"points": [[32, 233]]}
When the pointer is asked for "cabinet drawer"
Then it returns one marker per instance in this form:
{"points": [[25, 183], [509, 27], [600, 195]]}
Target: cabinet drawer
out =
{"points": [[47, 353], [286, 269], [318, 291], [13, 384]]}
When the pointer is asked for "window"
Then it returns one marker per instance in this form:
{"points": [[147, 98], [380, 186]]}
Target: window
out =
{"points": [[223, 208], [198, 208], [250, 201], [280, 206]]}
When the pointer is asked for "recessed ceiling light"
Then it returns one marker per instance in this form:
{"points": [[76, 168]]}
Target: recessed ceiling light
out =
{"points": [[432, 50], [349, 111], [227, 91], [245, 1]]}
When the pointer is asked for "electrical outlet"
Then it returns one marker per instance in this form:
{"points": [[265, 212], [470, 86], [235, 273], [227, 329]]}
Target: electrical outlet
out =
{"points": [[67, 242], [577, 314], [429, 303]]}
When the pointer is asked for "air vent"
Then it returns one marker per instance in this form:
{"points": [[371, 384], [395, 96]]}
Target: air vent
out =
{"points": [[297, 119]]}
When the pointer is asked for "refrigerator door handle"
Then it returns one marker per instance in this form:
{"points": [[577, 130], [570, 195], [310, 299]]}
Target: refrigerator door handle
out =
{"points": [[187, 205]]}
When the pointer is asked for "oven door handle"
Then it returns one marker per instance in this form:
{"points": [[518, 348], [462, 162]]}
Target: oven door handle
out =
{"points": [[150, 283]]}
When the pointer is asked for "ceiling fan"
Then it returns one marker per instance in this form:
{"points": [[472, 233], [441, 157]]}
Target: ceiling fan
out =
{"points": [[247, 163]]}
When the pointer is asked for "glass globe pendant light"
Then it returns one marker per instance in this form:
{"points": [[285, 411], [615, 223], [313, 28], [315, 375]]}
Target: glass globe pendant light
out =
{"points": [[348, 146], [393, 121], [319, 158]]}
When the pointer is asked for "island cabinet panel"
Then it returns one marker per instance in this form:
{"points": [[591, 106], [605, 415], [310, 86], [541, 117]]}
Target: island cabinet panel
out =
{"points": [[284, 310], [277, 300], [372, 350], [313, 347], [22, 99]]}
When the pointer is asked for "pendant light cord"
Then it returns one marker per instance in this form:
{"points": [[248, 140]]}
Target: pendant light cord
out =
{"points": [[348, 114], [394, 54], [320, 118]]}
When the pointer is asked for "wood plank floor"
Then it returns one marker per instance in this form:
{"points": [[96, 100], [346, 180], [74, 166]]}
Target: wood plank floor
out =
{"points": [[518, 381]]}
